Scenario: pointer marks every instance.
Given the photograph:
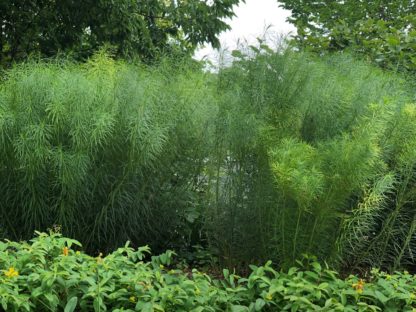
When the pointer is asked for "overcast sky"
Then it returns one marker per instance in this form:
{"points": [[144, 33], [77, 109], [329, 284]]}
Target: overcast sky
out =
{"points": [[250, 21]]}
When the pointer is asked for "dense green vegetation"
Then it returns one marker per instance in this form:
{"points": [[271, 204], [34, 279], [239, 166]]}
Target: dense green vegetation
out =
{"points": [[48, 274], [107, 151], [299, 153], [380, 31], [279, 155], [144, 29], [323, 162]]}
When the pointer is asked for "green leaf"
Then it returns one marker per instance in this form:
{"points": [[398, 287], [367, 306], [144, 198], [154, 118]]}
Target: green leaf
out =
{"points": [[316, 266], [260, 303], [238, 308], [4, 304], [237, 54], [226, 273], [323, 285], [147, 307], [380, 296], [71, 304]]}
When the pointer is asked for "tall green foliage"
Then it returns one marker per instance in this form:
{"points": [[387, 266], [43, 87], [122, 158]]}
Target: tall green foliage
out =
{"points": [[326, 173], [278, 155], [109, 152]]}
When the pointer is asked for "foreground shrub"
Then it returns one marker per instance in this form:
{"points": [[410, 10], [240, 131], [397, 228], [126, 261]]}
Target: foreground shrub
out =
{"points": [[48, 274]]}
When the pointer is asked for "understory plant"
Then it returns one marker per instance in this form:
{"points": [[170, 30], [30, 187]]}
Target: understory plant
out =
{"points": [[50, 273]]}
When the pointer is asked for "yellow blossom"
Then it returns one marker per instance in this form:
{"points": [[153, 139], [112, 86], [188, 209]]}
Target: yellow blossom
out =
{"points": [[12, 272], [269, 296], [65, 251], [132, 299], [359, 286]]}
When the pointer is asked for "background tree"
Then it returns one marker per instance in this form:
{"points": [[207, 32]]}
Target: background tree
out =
{"points": [[143, 28], [382, 31]]}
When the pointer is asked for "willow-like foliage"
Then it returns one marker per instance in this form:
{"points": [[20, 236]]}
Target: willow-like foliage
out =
{"points": [[329, 169], [109, 152], [278, 155]]}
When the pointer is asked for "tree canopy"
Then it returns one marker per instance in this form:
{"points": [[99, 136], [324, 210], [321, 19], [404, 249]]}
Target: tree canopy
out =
{"points": [[381, 30], [143, 28]]}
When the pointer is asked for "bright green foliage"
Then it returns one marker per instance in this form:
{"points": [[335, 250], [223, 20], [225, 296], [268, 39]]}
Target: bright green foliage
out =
{"points": [[320, 161], [107, 151], [381, 31], [48, 274], [279, 155], [144, 28]]}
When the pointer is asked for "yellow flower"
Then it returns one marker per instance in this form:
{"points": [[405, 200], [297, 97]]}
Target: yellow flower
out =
{"points": [[359, 286], [11, 272], [65, 251], [269, 296], [132, 299], [161, 266]]}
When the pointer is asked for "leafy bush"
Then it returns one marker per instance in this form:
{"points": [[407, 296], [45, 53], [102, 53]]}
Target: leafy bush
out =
{"points": [[379, 32], [144, 30], [49, 274]]}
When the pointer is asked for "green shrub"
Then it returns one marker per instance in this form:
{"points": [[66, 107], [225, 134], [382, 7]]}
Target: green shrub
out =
{"points": [[49, 274]]}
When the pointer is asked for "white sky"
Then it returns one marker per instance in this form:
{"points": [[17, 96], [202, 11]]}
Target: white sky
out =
{"points": [[250, 22]]}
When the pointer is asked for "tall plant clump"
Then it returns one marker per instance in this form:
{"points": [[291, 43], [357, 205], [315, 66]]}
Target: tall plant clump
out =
{"points": [[99, 150], [338, 176]]}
